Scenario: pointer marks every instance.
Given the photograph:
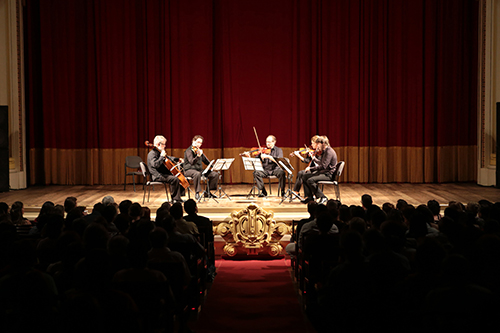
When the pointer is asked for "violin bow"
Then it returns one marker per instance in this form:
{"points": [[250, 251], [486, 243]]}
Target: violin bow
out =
{"points": [[257, 137]]}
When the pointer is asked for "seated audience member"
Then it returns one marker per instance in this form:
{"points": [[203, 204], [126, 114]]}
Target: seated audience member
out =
{"points": [[344, 214], [377, 217], [366, 201], [22, 288], [291, 248], [124, 206], [161, 253], [16, 214], [311, 228], [46, 247], [183, 226], [69, 204], [401, 204], [343, 299], [96, 213], [122, 223], [357, 224], [179, 240], [435, 208], [203, 224], [108, 200], [357, 211], [205, 227], [135, 211], [387, 207], [4, 208]]}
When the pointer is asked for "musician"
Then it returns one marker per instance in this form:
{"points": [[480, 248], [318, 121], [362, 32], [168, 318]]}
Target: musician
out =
{"points": [[324, 168], [193, 167], [159, 172], [306, 159], [270, 166]]}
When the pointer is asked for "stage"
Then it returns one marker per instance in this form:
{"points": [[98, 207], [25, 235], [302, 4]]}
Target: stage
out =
{"points": [[415, 194]]}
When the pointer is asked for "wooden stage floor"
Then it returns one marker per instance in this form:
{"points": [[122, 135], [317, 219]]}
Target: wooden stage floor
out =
{"points": [[415, 194]]}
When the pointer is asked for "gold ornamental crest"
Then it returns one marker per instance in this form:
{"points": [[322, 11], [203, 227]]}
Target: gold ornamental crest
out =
{"points": [[252, 230]]}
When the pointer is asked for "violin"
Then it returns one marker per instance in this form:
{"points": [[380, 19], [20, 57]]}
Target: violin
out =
{"points": [[174, 169], [256, 151], [303, 151]]}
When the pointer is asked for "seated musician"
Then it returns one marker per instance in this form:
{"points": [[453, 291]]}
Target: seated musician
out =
{"points": [[324, 169], [270, 166], [306, 159], [193, 167], [158, 169]]}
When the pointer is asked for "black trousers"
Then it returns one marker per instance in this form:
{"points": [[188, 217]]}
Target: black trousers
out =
{"points": [[299, 180], [311, 187], [280, 174], [196, 175], [175, 186]]}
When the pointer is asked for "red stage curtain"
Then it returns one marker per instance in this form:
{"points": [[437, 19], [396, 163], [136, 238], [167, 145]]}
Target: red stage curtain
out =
{"points": [[392, 83]]}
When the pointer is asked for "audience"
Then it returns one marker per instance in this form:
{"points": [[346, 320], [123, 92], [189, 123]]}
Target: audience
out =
{"points": [[396, 268]]}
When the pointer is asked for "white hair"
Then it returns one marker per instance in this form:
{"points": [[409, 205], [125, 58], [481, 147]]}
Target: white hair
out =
{"points": [[158, 139]]}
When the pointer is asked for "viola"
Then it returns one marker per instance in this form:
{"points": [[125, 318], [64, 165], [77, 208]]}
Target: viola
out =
{"points": [[303, 151], [256, 151], [174, 169]]}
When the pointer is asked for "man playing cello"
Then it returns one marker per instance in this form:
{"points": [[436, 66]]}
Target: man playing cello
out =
{"points": [[158, 169]]}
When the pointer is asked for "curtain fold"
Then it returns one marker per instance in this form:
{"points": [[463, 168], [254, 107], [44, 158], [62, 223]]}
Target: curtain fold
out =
{"points": [[391, 83]]}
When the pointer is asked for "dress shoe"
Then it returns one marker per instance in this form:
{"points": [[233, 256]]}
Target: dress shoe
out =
{"points": [[322, 200], [178, 201], [209, 195], [197, 196], [262, 195], [307, 200]]}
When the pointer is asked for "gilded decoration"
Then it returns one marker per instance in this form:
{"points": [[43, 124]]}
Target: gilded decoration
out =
{"points": [[252, 231]]}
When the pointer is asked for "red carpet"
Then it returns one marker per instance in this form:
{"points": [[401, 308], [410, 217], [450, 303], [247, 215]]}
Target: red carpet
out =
{"points": [[252, 296]]}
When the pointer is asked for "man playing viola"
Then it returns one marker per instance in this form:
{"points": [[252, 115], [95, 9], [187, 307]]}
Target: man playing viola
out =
{"points": [[193, 167], [323, 169], [270, 166], [159, 171]]}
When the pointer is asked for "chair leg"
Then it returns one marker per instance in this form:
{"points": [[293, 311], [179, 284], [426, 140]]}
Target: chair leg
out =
{"points": [[133, 181], [270, 188], [144, 196], [166, 192], [125, 179]]}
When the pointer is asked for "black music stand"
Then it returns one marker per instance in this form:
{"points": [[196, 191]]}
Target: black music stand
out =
{"points": [[284, 164], [252, 164], [206, 193], [220, 166]]}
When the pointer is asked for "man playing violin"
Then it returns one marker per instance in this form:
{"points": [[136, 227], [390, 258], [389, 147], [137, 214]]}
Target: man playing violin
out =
{"points": [[323, 169], [159, 172], [270, 166], [306, 159], [193, 167]]}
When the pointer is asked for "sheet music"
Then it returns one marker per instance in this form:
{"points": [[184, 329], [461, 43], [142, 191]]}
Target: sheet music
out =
{"points": [[223, 164], [285, 167], [251, 163], [207, 169]]}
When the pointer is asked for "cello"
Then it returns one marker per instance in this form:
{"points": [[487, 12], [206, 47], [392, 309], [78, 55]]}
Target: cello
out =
{"points": [[174, 168]]}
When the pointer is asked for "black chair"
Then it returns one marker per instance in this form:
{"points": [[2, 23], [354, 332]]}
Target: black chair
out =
{"points": [[335, 181], [132, 162], [148, 182]]}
